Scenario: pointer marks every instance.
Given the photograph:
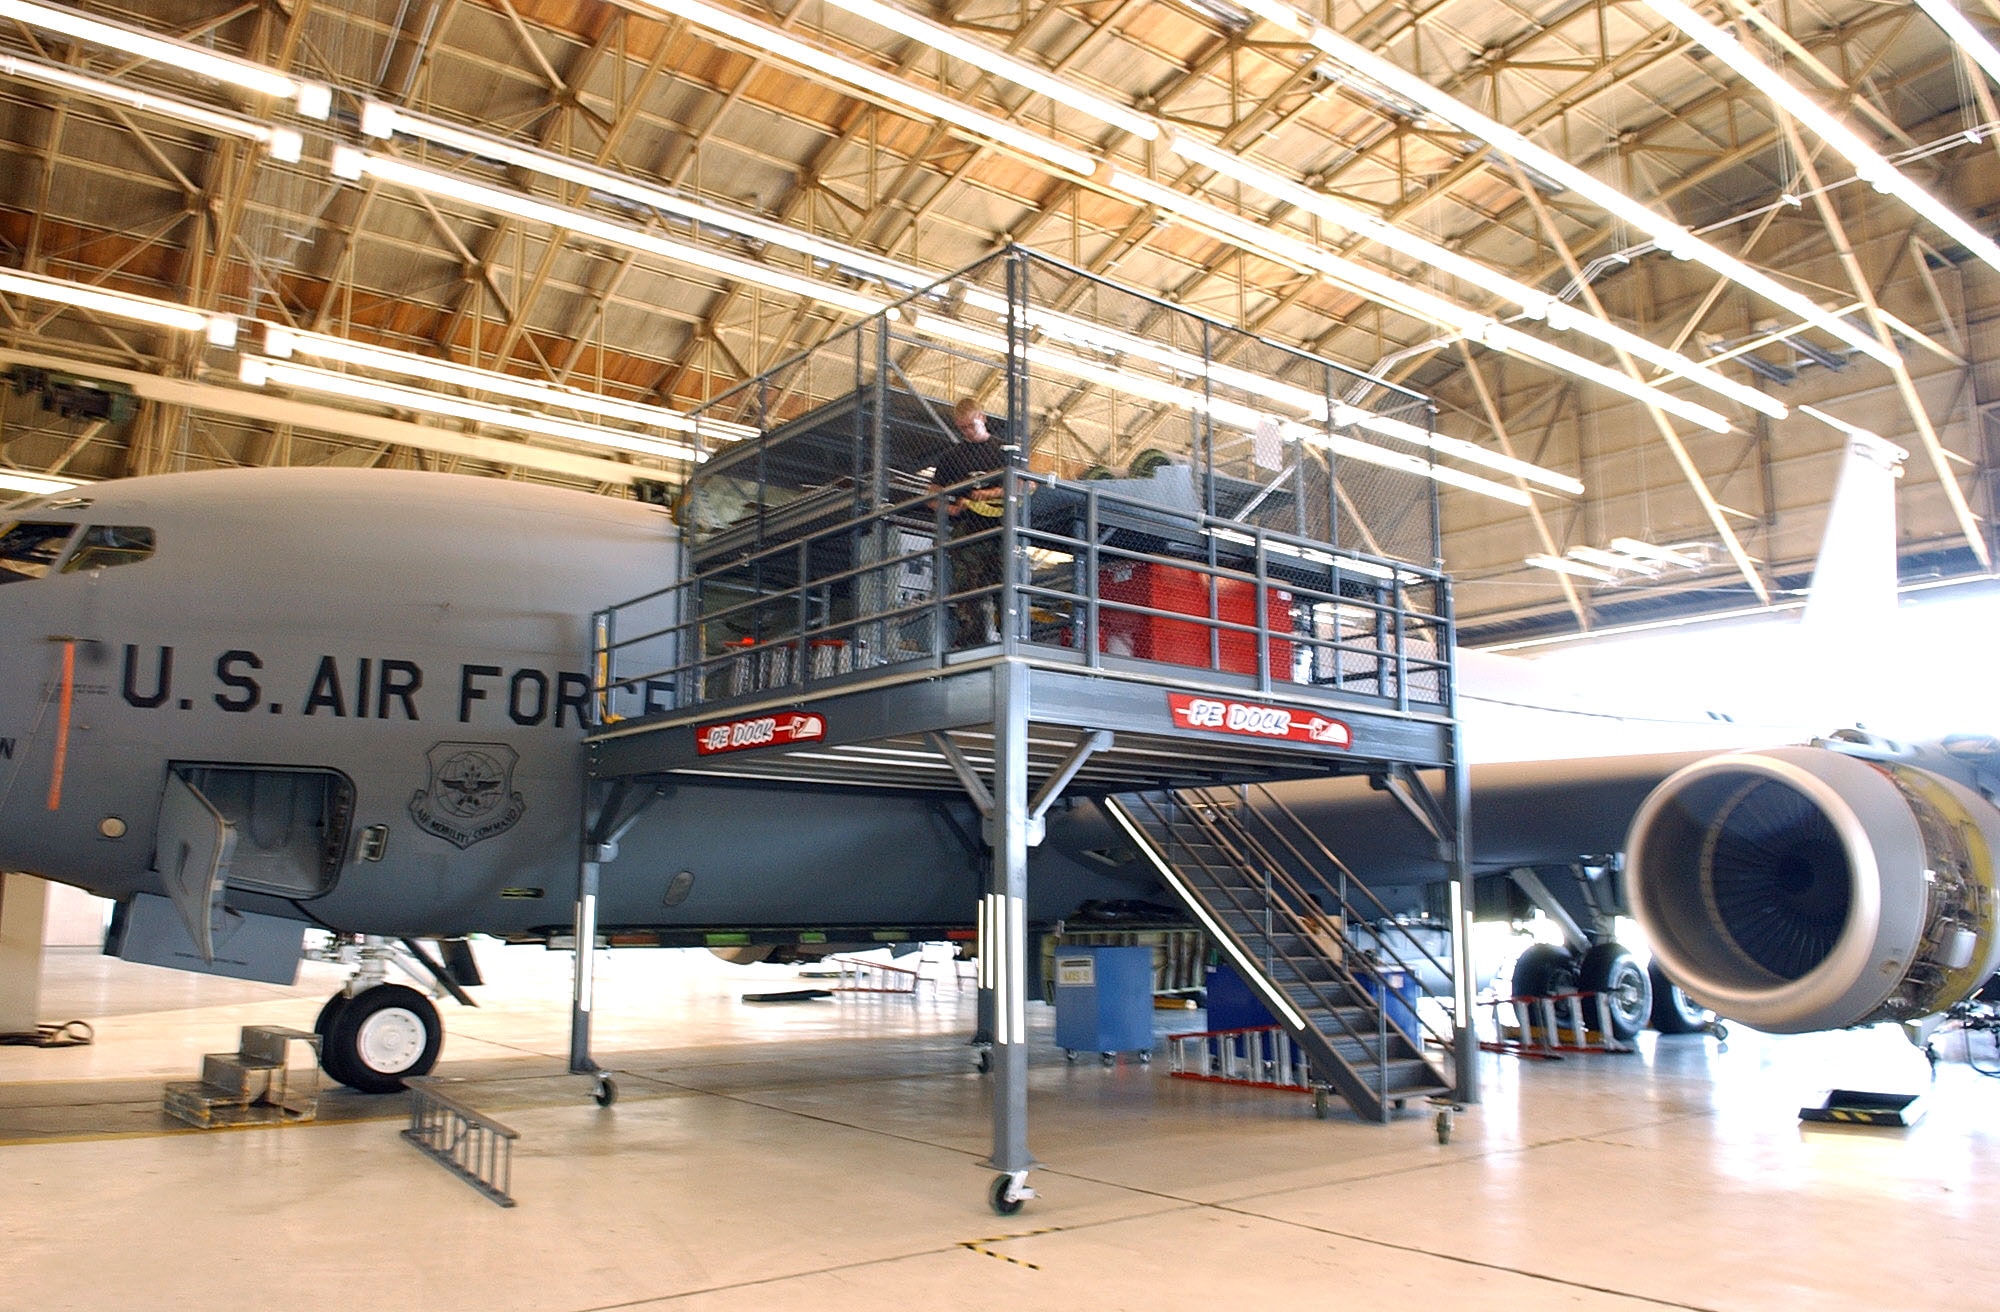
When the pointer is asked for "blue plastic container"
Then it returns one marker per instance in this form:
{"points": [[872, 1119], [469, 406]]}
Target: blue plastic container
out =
{"points": [[1104, 999]]}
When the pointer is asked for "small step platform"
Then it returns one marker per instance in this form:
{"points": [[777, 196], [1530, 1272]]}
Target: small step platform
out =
{"points": [[258, 1084]]}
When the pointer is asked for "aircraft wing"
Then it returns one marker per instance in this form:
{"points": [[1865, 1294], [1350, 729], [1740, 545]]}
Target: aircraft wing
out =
{"points": [[1524, 813]]}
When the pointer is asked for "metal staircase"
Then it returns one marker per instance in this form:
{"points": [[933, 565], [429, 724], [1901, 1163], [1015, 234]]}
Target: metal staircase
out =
{"points": [[1281, 907]]}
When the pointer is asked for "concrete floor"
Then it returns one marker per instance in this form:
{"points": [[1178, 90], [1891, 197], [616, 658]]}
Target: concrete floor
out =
{"points": [[825, 1155]]}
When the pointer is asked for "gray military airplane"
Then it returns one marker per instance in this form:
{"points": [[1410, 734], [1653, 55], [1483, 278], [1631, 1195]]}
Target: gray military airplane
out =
{"points": [[250, 702]]}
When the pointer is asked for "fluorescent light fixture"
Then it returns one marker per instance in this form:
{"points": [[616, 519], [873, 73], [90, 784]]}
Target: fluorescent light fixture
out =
{"points": [[1969, 38], [1411, 300], [771, 41], [1868, 163], [1536, 304], [1667, 234], [1613, 561], [220, 329], [349, 163], [1576, 568], [34, 484], [1647, 551], [261, 372], [1232, 413], [287, 342], [1308, 403], [379, 120], [1024, 75], [283, 143], [314, 99]]}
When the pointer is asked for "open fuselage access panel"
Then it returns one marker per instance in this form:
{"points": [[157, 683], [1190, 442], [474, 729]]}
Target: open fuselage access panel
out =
{"points": [[1187, 583]]}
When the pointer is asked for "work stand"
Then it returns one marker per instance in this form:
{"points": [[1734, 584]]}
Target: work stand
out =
{"points": [[1199, 624]]}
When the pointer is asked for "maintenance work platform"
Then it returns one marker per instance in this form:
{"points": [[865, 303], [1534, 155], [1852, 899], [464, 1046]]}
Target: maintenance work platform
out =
{"points": [[1185, 562]]}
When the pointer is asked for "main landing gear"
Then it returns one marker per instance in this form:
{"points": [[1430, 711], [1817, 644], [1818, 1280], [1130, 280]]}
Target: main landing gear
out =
{"points": [[1546, 970], [375, 1039], [374, 1035]]}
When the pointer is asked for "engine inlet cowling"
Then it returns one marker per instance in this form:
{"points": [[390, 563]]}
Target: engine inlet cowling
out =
{"points": [[1803, 889]]}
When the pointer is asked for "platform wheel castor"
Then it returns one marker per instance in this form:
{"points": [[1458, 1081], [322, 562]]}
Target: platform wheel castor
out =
{"points": [[1320, 1103], [1442, 1121], [984, 1061], [1008, 1191], [605, 1092], [1069, 1055], [1145, 1059], [1108, 1058]]}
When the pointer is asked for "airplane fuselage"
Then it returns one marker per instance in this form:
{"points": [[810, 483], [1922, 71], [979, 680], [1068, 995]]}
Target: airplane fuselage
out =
{"points": [[381, 679]]}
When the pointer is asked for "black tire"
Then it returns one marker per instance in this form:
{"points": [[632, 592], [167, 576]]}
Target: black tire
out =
{"points": [[329, 1056], [1544, 969], [1609, 969], [1674, 1012], [606, 1091], [996, 1196], [383, 1036]]}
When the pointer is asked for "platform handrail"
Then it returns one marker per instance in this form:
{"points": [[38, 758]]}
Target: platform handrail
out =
{"points": [[1382, 643]]}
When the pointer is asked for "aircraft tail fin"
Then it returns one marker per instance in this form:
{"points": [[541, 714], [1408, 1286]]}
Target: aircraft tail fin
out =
{"points": [[1853, 597]]}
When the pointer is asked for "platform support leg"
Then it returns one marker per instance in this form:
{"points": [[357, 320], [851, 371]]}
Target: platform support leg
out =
{"points": [[1465, 1038], [1003, 922], [580, 1062]]}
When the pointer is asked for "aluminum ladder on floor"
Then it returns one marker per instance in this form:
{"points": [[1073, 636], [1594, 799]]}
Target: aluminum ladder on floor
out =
{"points": [[1276, 902]]}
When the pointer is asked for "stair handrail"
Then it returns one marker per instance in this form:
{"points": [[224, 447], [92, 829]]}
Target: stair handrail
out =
{"points": [[1296, 924], [1348, 877], [1265, 862]]}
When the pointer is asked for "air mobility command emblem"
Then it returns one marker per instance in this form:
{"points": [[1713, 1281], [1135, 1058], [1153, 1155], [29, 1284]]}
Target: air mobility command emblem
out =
{"points": [[471, 794]]}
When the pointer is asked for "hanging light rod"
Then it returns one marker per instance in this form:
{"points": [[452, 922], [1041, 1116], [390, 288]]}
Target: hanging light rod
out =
{"points": [[1868, 163], [284, 343], [766, 40], [1534, 303], [1668, 235], [313, 99], [1968, 38], [350, 164], [1314, 406], [380, 120], [283, 143], [34, 484], [220, 329], [259, 372], [1233, 413], [1458, 319], [984, 57], [820, 61]]}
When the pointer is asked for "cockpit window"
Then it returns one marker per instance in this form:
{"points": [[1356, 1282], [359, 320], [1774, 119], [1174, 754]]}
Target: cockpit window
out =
{"points": [[106, 545], [29, 550]]}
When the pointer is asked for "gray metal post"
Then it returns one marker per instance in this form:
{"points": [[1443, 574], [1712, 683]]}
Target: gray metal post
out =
{"points": [[1005, 918], [586, 953]]}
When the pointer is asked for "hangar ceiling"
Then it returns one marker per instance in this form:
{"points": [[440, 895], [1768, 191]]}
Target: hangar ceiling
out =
{"points": [[1436, 192]]}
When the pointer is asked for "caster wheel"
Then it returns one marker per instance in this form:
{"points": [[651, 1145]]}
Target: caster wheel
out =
{"points": [[1069, 1056], [606, 1091], [1001, 1195], [1397, 1104], [1319, 1103], [1107, 1058], [1720, 1031], [1443, 1121], [1145, 1059], [984, 1062]]}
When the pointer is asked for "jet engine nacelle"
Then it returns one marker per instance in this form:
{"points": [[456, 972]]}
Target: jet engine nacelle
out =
{"points": [[1802, 888]]}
